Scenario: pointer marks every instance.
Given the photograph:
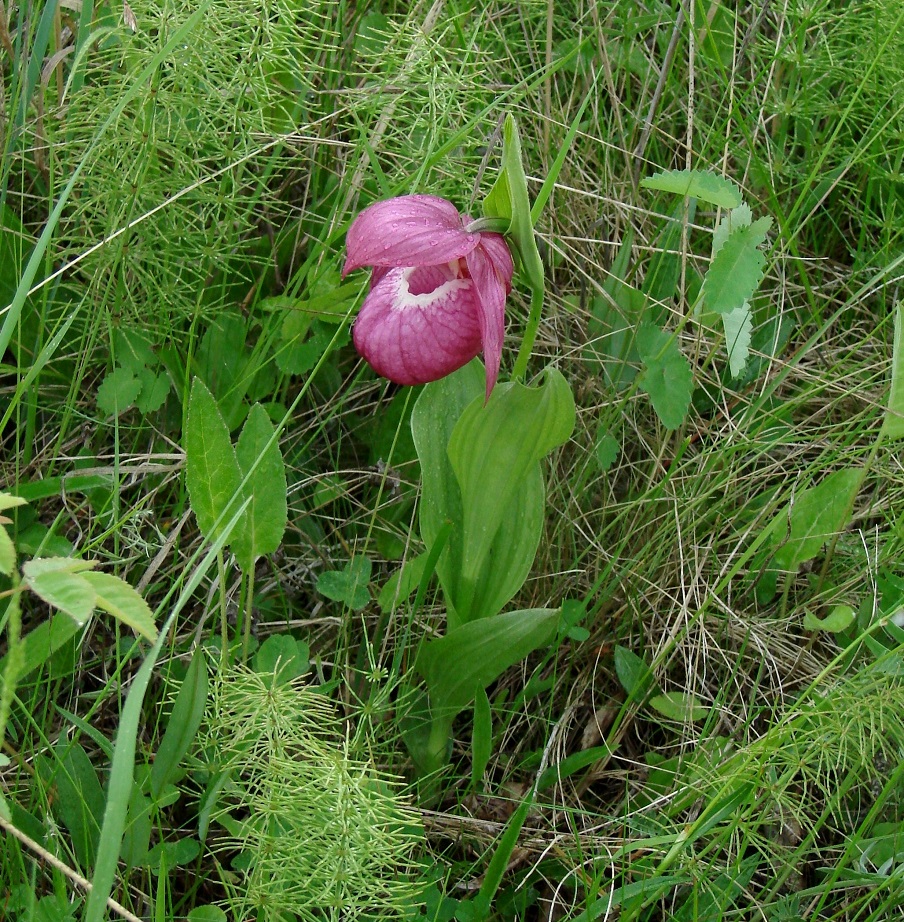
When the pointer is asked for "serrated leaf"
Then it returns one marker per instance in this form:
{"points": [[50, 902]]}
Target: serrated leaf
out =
{"points": [[667, 375], [132, 350], [738, 330], [60, 583], [741, 216], [607, 449], [679, 706], [154, 390], [118, 391], [261, 528], [212, 474], [119, 599], [699, 184], [348, 585], [737, 269]]}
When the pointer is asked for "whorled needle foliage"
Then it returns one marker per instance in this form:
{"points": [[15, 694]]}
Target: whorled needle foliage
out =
{"points": [[325, 834], [189, 159]]}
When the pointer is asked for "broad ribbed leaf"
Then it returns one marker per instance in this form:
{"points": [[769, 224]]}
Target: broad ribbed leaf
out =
{"points": [[493, 450], [212, 473], [474, 655], [260, 461]]}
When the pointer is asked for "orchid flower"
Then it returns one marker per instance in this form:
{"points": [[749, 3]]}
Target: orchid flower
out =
{"points": [[437, 293]]}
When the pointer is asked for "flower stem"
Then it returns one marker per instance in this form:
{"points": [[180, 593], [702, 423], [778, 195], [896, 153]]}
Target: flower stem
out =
{"points": [[530, 333]]}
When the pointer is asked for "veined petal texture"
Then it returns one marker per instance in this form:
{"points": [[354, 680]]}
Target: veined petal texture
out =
{"points": [[411, 230], [419, 324]]}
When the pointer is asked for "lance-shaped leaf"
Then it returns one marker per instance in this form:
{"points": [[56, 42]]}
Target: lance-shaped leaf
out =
{"points": [[260, 461], [212, 473]]}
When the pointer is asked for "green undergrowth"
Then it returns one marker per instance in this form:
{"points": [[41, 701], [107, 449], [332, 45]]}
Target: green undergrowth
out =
{"points": [[715, 730]]}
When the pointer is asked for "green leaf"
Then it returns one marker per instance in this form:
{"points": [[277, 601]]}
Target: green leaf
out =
{"points": [[737, 268], [41, 643], [635, 675], [79, 801], [348, 585], [137, 834], [493, 449], [679, 706], [154, 390], [817, 515], [481, 737], [7, 553], [700, 184], [8, 501], [667, 375], [212, 473], [119, 599], [741, 216], [133, 351], [509, 199], [283, 656], [260, 461], [166, 855], [207, 914], [58, 581], [838, 619], [738, 330], [472, 656], [183, 724], [607, 449], [893, 424], [402, 583], [118, 391], [456, 666]]}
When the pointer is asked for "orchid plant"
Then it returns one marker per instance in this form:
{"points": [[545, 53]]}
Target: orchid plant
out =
{"points": [[437, 301]]}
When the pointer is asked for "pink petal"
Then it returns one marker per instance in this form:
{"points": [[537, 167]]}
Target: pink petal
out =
{"points": [[411, 230], [490, 295], [501, 257], [413, 338]]}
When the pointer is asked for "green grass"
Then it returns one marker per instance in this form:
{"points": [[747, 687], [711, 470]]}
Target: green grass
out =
{"points": [[211, 187]]}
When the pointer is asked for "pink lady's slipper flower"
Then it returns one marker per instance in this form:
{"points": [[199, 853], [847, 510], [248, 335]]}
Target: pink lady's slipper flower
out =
{"points": [[437, 293]]}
